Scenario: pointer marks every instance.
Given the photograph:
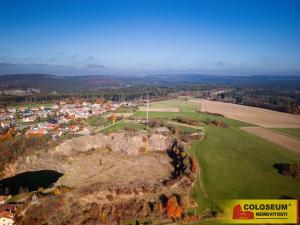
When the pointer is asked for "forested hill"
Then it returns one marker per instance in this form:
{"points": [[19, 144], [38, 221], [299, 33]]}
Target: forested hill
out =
{"points": [[47, 83]]}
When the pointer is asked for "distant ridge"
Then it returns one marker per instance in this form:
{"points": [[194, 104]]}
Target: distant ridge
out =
{"points": [[49, 82], [46, 83]]}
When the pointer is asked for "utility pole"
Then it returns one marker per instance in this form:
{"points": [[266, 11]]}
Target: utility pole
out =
{"points": [[147, 111]]}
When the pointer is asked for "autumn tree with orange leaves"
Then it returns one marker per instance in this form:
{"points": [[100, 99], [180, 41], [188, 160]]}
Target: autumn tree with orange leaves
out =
{"points": [[113, 118], [8, 136], [173, 209]]}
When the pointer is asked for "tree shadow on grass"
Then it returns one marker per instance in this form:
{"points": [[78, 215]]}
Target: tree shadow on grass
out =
{"points": [[282, 168]]}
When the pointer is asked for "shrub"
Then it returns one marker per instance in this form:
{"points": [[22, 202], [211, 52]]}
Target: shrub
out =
{"points": [[186, 121], [110, 197], [156, 123], [173, 209], [130, 129]]}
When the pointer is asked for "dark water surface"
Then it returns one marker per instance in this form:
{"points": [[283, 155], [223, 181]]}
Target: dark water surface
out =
{"points": [[30, 181]]}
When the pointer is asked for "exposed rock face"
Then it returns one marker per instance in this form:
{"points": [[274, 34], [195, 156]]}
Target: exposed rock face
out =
{"points": [[129, 143]]}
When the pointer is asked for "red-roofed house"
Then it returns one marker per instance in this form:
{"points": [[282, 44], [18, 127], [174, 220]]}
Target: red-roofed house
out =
{"points": [[74, 128], [6, 218]]}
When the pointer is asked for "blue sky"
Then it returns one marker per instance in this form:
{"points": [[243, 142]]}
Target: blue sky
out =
{"points": [[223, 37]]}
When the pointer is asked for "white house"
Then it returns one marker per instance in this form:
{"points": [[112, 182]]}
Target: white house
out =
{"points": [[6, 218]]}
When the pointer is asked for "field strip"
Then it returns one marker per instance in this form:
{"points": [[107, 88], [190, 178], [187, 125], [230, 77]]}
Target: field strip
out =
{"points": [[119, 114], [159, 109], [275, 137], [258, 116]]}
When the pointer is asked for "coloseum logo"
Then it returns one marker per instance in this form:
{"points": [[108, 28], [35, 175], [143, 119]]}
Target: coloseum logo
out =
{"points": [[239, 214], [283, 211]]}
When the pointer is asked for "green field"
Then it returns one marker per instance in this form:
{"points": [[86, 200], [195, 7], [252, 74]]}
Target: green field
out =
{"points": [[184, 106], [191, 115], [122, 125], [234, 164], [291, 132], [97, 121]]}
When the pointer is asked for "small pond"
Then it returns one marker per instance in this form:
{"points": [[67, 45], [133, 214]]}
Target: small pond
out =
{"points": [[29, 181]]}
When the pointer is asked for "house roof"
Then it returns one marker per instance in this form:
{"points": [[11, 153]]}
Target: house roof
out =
{"points": [[73, 126], [56, 131], [5, 214], [8, 207], [53, 121], [39, 131]]}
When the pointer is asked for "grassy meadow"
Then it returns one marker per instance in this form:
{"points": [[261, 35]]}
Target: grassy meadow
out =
{"points": [[123, 125], [97, 121], [234, 164], [192, 115], [291, 132], [183, 106]]}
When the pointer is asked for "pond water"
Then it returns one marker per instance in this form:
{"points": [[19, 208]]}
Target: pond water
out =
{"points": [[28, 181]]}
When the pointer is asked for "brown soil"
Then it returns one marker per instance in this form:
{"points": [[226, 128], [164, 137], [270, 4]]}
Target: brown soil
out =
{"points": [[262, 117], [107, 167], [275, 137], [128, 142], [117, 156]]}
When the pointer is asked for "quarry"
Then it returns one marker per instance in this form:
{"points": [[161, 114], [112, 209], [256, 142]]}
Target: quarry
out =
{"points": [[109, 178]]}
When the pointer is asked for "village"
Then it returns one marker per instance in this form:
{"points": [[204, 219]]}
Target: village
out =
{"points": [[55, 120]]}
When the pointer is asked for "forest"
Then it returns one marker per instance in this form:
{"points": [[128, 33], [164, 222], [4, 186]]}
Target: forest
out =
{"points": [[280, 93]]}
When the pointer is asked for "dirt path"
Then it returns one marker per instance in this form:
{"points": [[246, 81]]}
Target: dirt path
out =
{"points": [[275, 137], [258, 116]]}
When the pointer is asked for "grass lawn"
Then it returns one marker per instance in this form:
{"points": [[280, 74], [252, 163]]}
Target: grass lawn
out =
{"points": [[184, 106], [97, 121], [191, 115], [125, 110], [236, 164], [123, 125], [291, 132]]}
